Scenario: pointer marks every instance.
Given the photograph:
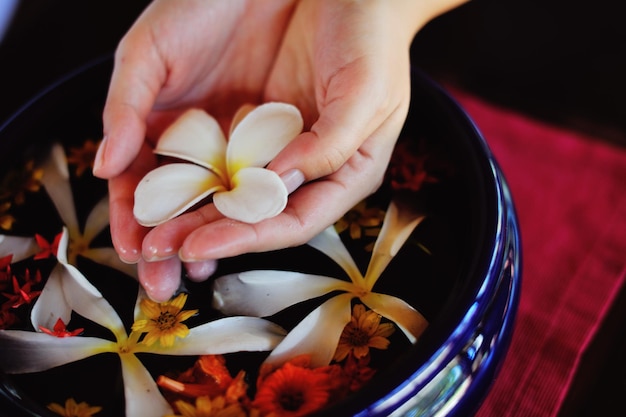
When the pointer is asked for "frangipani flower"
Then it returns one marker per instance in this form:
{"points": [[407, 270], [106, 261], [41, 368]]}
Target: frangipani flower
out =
{"points": [[265, 292], [26, 351], [55, 301], [231, 170]]}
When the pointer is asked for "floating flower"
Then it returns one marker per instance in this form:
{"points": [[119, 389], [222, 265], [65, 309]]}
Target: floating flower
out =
{"points": [[207, 407], [293, 390], [262, 293], [164, 320], [362, 332], [73, 242], [21, 295], [60, 330], [74, 409], [82, 158], [232, 170], [18, 182], [26, 351], [361, 220]]}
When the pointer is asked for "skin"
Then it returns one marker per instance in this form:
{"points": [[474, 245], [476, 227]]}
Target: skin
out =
{"points": [[344, 63]]}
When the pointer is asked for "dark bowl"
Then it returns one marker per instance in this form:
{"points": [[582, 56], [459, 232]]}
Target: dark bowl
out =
{"points": [[466, 284]]}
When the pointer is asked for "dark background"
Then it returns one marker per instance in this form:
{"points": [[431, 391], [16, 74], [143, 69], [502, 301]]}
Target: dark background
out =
{"points": [[560, 61]]}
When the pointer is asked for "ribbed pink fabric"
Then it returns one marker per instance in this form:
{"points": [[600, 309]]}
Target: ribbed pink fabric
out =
{"points": [[571, 202]]}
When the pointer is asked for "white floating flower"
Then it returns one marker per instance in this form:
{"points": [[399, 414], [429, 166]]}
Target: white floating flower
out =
{"points": [[232, 170], [53, 303], [262, 293], [27, 352]]}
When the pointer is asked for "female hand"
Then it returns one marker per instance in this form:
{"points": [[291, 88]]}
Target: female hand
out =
{"points": [[344, 64]]}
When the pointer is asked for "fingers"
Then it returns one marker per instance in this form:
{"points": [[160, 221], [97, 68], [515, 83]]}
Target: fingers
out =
{"points": [[126, 234], [160, 279], [137, 77]]}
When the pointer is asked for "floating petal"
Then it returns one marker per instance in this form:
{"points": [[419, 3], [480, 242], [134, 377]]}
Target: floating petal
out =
{"points": [[142, 394], [55, 180], [257, 194], [329, 243], [195, 137], [226, 335], [171, 189], [317, 335], [409, 320], [261, 135], [25, 352], [18, 246], [51, 304], [109, 257], [265, 292]]}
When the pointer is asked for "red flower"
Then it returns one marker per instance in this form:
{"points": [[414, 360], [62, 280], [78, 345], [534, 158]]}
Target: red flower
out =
{"points": [[60, 330], [5, 272], [47, 250], [21, 295], [7, 318]]}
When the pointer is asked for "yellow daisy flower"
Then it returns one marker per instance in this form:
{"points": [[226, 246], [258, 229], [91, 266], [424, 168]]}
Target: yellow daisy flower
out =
{"points": [[205, 407], [163, 321]]}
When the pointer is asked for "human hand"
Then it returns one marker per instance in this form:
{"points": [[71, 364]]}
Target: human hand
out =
{"points": [[344, 64]]}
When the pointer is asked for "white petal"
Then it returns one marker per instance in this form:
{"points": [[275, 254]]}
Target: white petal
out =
{"points": [[399, 222], [317, 335], [51, 304], [227, 335], [169, 190], [195, 137], [55, 180], [257, 194], [263, 293], [97, 220], [329, 243], [18, 246], [86, 300], [110, 258], [262, 134], [24, 351], [141, 393], [63, 245], [409, 320]]}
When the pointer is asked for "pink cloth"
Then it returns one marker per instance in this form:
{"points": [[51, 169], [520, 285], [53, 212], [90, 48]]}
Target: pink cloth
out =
{"points": [[569, 194]]}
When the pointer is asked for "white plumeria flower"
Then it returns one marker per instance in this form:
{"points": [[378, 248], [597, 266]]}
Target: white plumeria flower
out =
{"points": [[27, 352], [262, 293], [53, 303], [232, 170]]}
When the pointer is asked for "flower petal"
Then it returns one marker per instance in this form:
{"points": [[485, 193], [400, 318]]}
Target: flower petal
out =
{"points": [[169, 190], [409, 320], [329, 243], [227, 335], [261, 135], [51, 304], [256, 194], [141, 392], [317, 335], [195, 137], [109, 257], [25, 351], [97, 220], [55, 180], [399, 222], [263, 293], [18, 246]]}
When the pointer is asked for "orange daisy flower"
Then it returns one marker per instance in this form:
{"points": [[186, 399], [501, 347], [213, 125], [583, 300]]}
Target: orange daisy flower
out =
{"points": [[74, 409], [364, 331]]}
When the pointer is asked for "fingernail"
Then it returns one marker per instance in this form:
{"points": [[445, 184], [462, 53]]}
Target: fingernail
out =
{"points": [[99, 159], [293, 179]]}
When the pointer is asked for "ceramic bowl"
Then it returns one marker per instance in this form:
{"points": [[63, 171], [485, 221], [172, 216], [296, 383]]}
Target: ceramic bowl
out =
{"points": [[460, 269]]}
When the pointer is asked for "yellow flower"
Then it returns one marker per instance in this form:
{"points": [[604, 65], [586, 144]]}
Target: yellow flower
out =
{"points": [[83, 157], [73, 409], [361, 220], [164, 321], [205, 407], [362, 333]]}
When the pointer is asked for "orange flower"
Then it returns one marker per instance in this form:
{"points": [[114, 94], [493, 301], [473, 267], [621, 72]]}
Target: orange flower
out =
{"points": [[83, 157], [293, 390], [363, 331], [207, 407], [73, 409]]}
